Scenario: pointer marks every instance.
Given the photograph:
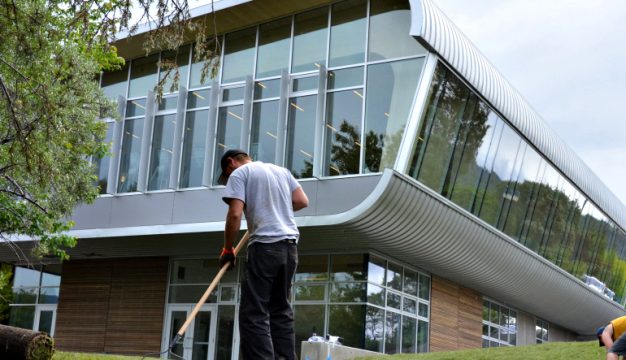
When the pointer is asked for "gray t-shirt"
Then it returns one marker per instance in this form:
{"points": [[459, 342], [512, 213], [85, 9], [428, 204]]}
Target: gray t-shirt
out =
{"points": [[266, 192]]}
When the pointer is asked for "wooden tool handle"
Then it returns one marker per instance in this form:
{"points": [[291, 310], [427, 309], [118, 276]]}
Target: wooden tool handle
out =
{"points": [[208, 292]]}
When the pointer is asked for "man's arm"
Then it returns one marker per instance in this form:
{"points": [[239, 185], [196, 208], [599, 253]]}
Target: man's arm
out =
{"points": [[233, 222], [299, 199], [607, 339]]}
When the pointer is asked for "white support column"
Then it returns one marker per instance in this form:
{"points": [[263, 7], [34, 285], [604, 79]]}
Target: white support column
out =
{"points": [[210, 136], [319, 124], [178, 137], [283, 106], [244, 140]]}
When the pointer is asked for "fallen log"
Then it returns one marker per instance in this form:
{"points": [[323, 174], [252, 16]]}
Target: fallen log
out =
{"points": [[22, 344]]}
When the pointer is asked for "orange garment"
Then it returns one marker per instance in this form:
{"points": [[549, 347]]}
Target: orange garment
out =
{"points": [[619, 327]]}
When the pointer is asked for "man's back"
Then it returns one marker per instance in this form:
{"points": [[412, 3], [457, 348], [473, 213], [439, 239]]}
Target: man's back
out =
{"points": [[266, 190]]}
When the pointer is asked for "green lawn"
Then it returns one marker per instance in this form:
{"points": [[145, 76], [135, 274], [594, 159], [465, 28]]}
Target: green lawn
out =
{"points": [[553, 351], [60, 355]]}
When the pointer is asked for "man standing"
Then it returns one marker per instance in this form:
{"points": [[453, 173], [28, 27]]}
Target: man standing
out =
{"points": [[613, 336], [268, 195]]}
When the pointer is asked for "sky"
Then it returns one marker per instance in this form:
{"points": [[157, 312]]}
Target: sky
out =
{"points": [[567, 58]]}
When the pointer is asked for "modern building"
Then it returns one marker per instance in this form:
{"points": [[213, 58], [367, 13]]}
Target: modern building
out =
{"points": [[445, 214]]}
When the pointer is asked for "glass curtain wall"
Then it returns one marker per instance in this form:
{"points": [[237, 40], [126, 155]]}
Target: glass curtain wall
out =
{"points": [[350, 38], [370, 302], [469, 154]]}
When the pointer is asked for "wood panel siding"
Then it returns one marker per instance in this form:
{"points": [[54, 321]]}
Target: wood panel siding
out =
{"points": [[455, 316], [112, 306], [83, 306]]}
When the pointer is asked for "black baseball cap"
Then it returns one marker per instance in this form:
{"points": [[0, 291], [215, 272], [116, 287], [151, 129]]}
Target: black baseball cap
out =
{"points": [[224, 163]]}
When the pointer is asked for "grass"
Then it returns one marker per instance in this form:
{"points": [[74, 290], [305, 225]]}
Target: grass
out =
{"points": [[552, 351], [62, 355], [588, 350]]}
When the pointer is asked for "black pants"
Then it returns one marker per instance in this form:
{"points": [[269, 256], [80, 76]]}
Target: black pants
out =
{"points": [[265, 314]]}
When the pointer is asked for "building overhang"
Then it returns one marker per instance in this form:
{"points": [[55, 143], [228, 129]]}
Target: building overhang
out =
{"points": [[402, 219], [406, 220]]}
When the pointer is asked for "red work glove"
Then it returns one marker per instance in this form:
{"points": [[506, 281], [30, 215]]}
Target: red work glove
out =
{"points": [[227, 257]]}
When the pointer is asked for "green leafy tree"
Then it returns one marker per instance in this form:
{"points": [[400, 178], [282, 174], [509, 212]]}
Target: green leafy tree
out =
{"points": [[6, 273], [50, 106], [51, 57]]}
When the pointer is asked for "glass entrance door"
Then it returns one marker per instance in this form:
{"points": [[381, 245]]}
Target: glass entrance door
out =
{"points": [[198, 343], [45, 318]]}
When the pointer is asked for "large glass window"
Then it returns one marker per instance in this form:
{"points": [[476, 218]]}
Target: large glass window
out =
{"points": [[179, 58], [115, 83], [439, 133], [274, 43], [390, 92], [366, 304], [102, 163], [310, 40], [391, 19], [347, 33], [35, 293], [239, 51], [228, 134], [499, 325], [162, 151], [131, 146], [343, 131], [470, 155], [198, 68], [498, 174], [300, 142], [194, 139], [263, 135], [542, 331], [143, 76]]}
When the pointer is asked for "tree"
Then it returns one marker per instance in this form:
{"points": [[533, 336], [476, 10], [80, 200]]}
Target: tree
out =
{"points": [[50, 103], [49, 111]]}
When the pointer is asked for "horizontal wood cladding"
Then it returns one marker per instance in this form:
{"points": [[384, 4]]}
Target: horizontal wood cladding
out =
{"points": [[455, 316], [112, 306]]}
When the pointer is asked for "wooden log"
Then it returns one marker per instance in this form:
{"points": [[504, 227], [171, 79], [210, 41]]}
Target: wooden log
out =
{"points": [[22, 344]]}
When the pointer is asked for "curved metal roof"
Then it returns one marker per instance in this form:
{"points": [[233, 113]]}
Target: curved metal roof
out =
{"points": [[436, 32], [404, 219]]}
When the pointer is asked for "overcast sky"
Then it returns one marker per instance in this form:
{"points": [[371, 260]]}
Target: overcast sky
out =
{"points": [[568, 60]]}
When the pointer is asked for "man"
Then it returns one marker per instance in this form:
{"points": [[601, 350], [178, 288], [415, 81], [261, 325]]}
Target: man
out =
{"points": [[268, 195], [613, 336]]}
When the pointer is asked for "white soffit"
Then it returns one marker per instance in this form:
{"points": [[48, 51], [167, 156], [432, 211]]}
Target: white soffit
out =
{"points": [[440, 35]]}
